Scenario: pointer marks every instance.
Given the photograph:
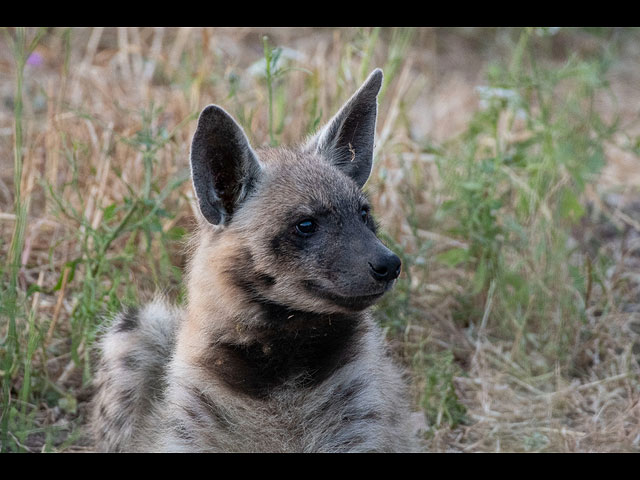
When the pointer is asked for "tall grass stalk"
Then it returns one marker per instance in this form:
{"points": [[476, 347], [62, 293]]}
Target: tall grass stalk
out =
{"points": [[401, 40], [271, 58], [21, 52], [368, 54]]}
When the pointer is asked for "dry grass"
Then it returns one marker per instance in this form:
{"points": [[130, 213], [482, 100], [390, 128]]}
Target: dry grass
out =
{"points": [[105, 105]]}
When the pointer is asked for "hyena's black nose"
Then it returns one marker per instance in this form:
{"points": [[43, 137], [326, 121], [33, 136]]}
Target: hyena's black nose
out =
{"points": [[386, 268]]}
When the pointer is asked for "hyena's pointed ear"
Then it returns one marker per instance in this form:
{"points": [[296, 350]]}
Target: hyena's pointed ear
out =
{"points": [[347, 139], [224, 167]]}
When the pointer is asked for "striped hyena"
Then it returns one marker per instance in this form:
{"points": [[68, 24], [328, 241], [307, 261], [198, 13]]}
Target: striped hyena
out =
{"points": [[275, 349]]}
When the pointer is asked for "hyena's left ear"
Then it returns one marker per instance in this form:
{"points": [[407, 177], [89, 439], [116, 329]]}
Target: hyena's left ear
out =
{"points": [[347, 139], [224, 167]]}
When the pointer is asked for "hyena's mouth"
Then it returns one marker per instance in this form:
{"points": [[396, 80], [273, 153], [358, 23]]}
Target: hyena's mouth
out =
{"points": [[352, 302]]}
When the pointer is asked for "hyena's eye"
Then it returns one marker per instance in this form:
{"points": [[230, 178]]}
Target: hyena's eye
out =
{"points": [[364, 214], [306, 227]]}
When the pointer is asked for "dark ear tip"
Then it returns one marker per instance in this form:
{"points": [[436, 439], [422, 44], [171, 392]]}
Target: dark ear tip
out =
{"points": [[214, 116], [374, 81], [211, 111], [377, 72]]}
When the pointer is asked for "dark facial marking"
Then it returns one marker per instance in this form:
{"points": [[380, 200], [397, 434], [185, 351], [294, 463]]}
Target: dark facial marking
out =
{"points": [[292, 239], [247, 278], [288, 242]]}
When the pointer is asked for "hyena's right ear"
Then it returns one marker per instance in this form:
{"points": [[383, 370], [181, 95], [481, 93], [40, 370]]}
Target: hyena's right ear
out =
{"points": [[347, 139], [224, 167]]}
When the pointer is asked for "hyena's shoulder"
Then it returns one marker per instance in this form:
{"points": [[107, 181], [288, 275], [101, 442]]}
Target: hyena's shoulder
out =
{"points": [[135, 348], [365, 406], [360, 407]]}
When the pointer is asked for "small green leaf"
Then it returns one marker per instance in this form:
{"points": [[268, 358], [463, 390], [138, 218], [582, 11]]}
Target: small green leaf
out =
{"points": [[68, 404], [109, 212], [570, 207], [176, 233], [471, 186], [71, 265], [454, 256]]}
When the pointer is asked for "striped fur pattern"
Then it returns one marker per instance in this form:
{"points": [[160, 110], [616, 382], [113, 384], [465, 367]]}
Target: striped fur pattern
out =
{"points": [[275, 350], [130, 378]]}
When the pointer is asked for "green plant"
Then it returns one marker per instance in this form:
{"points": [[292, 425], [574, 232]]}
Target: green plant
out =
{"points": [[11, 307], [107, 249], [514, 182], [438, 397], [138, 216]]}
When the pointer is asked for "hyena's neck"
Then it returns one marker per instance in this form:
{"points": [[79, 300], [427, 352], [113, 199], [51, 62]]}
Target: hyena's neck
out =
{"points": [[297, 349], [253, 345]]}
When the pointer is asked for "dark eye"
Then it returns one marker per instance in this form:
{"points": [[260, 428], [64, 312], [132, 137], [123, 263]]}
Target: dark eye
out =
{"points": [[364, 214], [306, 227]]}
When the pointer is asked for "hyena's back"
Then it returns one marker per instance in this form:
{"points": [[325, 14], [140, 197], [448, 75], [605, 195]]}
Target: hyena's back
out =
{"points": [[135, 351]]}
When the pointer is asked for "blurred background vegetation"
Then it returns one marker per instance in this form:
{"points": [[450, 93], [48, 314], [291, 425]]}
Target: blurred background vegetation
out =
{"points": [[506, 175]]}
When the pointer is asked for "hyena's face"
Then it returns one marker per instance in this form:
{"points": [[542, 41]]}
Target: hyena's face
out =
{"points": [[305, 226], [311, 239]]}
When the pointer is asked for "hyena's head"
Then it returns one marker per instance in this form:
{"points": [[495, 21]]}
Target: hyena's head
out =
{"points": [[302, 226]]}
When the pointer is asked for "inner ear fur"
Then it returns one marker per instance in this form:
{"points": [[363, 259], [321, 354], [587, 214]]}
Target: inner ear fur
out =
{"points": [[347, 140], [224, 167]]}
